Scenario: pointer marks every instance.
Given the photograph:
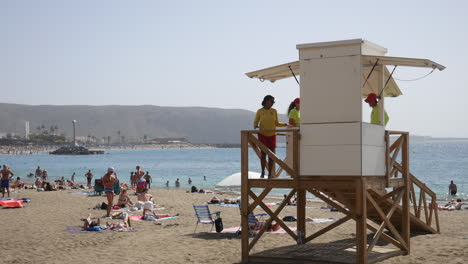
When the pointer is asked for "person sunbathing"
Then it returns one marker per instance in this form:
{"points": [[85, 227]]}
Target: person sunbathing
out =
{"points": [[18, 183], [124, 199], [38, 182], [125, 225], [72, 184], [145, 201], [88, 222]]}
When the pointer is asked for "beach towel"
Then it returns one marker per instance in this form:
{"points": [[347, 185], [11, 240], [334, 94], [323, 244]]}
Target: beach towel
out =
{"points": [[140, 218], [79, 229], [227, 205], [234, 230], [11, 204], [321, 220], [127, 209]]}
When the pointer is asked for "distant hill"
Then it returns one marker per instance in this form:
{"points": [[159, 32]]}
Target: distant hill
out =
{"points": [[196, 124]]}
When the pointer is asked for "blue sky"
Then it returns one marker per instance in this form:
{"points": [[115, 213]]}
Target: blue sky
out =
{"points": [[195, 53]]}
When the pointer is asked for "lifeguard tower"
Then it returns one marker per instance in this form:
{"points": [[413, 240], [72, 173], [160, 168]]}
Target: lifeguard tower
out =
{"points": [[357, 167]]}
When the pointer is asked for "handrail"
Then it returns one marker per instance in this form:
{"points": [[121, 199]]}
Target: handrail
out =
{"points": [[394, 167]]}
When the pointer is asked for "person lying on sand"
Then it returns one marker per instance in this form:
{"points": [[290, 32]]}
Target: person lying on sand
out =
{"points": [[72, 184], [88, 222], [125, 225]]}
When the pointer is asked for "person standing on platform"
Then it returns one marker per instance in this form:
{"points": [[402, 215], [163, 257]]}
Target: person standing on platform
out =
{"points": [[372, 101], [294, 113], [266, 118]]}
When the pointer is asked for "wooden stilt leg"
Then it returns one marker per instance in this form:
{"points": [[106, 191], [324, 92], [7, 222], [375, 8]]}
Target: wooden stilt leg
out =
{"points": [[406, 205], [245, 196], [361, 223], [301, 204]]}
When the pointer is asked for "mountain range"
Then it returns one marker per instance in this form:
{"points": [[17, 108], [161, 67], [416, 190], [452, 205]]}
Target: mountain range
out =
{"points": [[195, 124]]}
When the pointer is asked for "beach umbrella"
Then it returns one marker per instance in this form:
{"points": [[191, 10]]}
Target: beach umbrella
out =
{"points": [[234, 180]]}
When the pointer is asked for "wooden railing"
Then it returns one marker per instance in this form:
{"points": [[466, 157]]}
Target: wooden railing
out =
{"points": [[395, 168], [251, 140]]}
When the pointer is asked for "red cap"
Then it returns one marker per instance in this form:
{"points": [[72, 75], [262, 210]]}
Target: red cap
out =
{"points": [[372, 97], [297, 100]]}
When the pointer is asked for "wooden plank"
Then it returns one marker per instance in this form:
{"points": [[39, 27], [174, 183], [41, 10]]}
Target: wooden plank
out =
{"points": [[361, 222], [301, 215], [259, 199], [387, 158], [431, 209], [328, 228], [382, 226], [278, 210], [273, 156], [244, 195], [296, 159], [270, 131], [425, 207], [272, 183], [257, 151], [387, 221], [436, 214], [406, 206]]}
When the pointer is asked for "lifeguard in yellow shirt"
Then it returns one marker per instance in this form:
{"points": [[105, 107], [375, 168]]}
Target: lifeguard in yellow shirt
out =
{"points": [[372, 101], [267, 119]]}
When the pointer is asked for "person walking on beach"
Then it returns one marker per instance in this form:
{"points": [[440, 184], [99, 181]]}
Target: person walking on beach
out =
{"points": [[139, 173], [108, 181], [89, 176], [73, 177], [148, 180], [266, 118], [452, 188], [177, 183], [6, 174], [372, 101]]}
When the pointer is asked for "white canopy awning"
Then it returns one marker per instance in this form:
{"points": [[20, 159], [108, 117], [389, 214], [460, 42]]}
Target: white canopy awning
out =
{"points": [[286, 70]]}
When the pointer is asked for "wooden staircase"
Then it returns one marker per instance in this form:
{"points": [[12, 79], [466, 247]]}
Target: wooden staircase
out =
{"points": [[347, 197]]}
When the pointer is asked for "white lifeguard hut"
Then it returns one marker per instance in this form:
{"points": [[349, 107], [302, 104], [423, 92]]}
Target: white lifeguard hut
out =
{"points": [[339, 157]]}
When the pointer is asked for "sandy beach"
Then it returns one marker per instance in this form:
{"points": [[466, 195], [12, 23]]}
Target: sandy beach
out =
{"points": [[38, 233]]}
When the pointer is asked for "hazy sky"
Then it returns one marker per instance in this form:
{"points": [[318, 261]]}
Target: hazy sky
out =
{"points": [[195, 53]]}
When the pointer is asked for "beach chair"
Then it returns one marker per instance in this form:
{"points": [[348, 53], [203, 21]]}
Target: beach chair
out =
{"points": [[117, 187], [255, 221], [98, 187], [204, 216]]}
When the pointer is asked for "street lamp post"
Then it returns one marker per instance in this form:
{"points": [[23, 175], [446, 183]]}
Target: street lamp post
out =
{"points": [[74, 135]]}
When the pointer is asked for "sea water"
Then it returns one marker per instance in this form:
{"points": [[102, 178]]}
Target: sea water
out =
{"points": [[435, 163]]}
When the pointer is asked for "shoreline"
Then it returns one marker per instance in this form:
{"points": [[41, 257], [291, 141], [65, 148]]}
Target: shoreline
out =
{"points": [[30, 150]]}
